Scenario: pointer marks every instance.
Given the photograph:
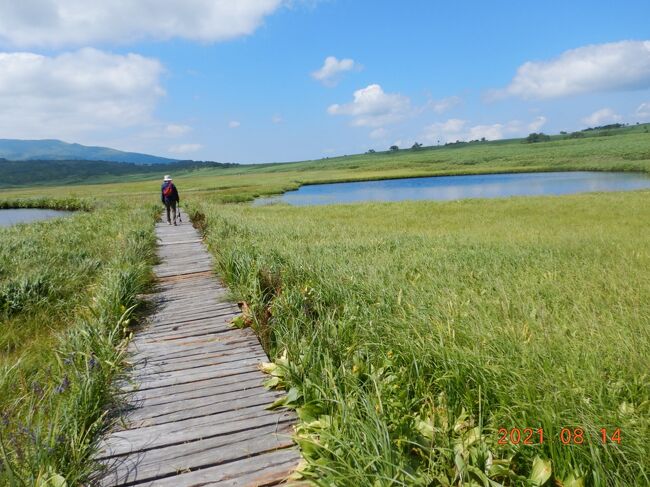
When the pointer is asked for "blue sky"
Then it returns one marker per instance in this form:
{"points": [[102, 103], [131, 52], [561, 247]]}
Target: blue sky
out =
{"points": [[248, 81]]}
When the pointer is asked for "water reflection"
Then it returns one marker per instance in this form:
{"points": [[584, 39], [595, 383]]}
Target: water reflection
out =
{"points": [[445, 188], [28, 215]]}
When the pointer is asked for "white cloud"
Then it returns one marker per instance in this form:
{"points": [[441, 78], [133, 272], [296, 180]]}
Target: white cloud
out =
{"points": [[456, 129], [59, 23], [495, 131], [276, 119], [184, 148], [643, 110], [444, 104], [75, 93], [330, 73], [176, 130], [616, 66], [234, 124], [602, 116], [448, 131], [537, 124], [379, 133], [372, 107]]}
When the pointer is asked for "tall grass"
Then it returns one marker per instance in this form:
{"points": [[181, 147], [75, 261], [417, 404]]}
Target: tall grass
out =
{"points": [[414, 331], [67, 291], [68, 203]]}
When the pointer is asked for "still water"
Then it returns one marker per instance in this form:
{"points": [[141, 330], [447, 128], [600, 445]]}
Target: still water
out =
{"points": [[445, 188], [28, 215]]}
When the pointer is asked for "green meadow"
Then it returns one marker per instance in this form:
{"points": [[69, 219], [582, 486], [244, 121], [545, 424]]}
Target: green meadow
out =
{"points": [[414, 339], [67, 291], [411, 333]]}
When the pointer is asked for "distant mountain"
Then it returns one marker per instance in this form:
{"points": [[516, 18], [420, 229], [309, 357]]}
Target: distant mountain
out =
{"points": [[35, 173], [30, 150]]}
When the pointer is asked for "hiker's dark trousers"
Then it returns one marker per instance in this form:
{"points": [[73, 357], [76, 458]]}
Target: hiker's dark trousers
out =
{"points": [[170, 206]]}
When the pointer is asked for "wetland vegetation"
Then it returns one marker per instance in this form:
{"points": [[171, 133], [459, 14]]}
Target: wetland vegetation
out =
{"points": [[410, 333], [67, 290], [407, 334]]}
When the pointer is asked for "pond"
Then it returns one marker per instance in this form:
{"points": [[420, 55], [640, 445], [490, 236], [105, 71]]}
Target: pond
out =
{"points": [[27, 215], [445, 188]]}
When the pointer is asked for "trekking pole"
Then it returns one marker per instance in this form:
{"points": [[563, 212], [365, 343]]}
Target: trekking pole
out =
{"points": [[180, 219]]}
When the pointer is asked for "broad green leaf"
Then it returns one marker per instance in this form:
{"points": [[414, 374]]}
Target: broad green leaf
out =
{"points": [[308, 413], [478, 473], [272, 382], [574, 480], [267, 367], [58, 481], [278, 403], [541, 472], [425, 428], [293, 396]]}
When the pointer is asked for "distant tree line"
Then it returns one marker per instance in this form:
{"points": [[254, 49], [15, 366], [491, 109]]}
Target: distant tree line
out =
{"points": [[606, 127], [24, 173], [537, 137]]}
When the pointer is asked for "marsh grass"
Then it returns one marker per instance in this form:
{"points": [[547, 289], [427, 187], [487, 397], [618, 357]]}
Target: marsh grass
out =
{"points": [[67, 293], [69, 203], [414, 331]]}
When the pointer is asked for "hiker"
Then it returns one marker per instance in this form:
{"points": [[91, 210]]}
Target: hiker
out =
{"points": [[169, 197]]}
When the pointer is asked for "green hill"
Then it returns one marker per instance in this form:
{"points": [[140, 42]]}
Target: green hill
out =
{"points": [[51, 149]]}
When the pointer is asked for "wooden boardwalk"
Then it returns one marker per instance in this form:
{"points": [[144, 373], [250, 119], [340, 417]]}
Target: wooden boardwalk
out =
{"points": [[199, 411]]}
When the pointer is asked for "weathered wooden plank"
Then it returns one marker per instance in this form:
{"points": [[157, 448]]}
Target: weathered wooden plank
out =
{"points": [[180, 305], [172, 254], [183, 282], [181, 364], [162, 462], [172, 257], [222, 324], [180, 432], [190, 429], [161, 413], [183, 271], [174, 292], [266, 469], [214, 330], [149, 377], [203, 407], [173, 296], [243, 384], [189, 355], [178, 349], [155, 371], [209, 329], [160, 323], [162, 346], [226, 370], [190, 293], [181, 242], [201, 314], [197, 411], [183, 265], [220, 321], [189, 285], [171, 391], [176, 317], [178, 254], [210, 333]]}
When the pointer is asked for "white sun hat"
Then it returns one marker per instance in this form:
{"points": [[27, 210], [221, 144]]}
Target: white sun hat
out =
{"points": [[167, 178]]}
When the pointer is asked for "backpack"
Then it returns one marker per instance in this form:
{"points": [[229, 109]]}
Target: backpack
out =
{"points": [[168, 190]]}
